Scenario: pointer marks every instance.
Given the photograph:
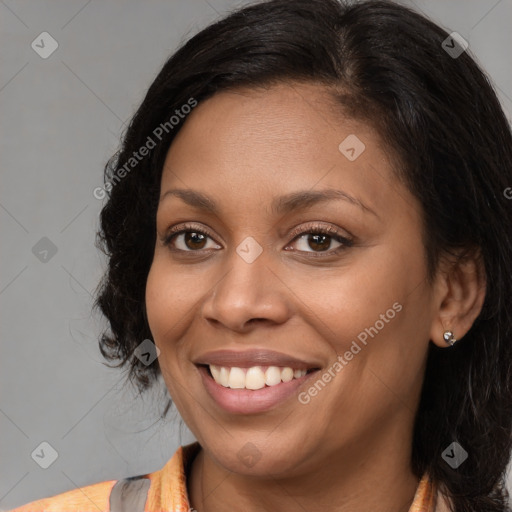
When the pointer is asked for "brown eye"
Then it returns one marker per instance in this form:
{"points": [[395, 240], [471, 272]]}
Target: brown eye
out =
{"points": [[189, 239], [319, 239], [319, 242], [194, 240]]}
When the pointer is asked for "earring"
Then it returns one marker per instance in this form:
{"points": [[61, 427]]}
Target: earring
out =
{"points": [[449, 337]]}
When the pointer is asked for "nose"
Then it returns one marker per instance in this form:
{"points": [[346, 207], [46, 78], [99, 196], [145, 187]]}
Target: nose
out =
{"points": [[246, 295]]}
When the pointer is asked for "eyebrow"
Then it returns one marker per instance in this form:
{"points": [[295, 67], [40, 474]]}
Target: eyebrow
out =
{"points": [[281, 205]]}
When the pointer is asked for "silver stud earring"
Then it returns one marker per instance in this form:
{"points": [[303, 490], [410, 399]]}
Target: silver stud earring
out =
{"points": [[449, 337]]}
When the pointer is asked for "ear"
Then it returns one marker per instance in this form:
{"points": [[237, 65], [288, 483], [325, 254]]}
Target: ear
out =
{"points": [[459, 294]]}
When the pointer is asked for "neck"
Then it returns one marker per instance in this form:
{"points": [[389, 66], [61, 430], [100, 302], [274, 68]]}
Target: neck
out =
{"points": [[375, 480]]}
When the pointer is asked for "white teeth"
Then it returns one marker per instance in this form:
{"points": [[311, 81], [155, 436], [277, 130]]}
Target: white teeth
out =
{"points": [[215, 372], [236, 378], [272, 376], [224, 377], [254, 377], [286, 374]]}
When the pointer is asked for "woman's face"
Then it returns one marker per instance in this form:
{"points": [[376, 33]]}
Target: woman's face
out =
{"points": [[260, 172]]}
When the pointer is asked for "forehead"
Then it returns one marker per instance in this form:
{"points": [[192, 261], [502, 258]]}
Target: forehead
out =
{"points": [[250, 144]]}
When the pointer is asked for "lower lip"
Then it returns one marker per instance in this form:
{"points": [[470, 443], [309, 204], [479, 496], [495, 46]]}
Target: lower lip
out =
{"points": [[248, 401]]}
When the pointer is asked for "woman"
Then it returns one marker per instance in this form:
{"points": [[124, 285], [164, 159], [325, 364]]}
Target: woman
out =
{"points": [[309, 217]]}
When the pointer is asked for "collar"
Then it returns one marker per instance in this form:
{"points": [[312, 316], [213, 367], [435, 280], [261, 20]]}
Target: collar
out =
{"points": [[169, 486]]}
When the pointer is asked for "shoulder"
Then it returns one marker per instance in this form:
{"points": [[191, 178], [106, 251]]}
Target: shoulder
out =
{"points": [[92, 498], [164, 489]]}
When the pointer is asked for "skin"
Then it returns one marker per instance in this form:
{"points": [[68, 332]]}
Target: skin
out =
{"points": [[349, 448]]}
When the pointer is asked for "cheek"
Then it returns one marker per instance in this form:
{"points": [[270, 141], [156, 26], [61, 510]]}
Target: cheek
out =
{"points": [[158, 298], [167, 306], [169, 298], [375, 315], [374, 289]]}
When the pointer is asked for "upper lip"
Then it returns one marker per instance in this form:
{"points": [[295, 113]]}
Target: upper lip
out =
{"points": [[253, 357]]}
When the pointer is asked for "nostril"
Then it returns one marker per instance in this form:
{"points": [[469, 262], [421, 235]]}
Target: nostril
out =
{"points": [[255, 320]]}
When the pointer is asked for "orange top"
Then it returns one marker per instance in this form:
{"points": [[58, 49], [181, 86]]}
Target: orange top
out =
{"points": [[168, 491]]}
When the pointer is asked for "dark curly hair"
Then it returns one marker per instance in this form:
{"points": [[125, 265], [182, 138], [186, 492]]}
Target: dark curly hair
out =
{"points": [[439, 117]]}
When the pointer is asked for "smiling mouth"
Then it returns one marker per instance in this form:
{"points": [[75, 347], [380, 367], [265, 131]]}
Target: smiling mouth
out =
{"points": [[255, 377]]}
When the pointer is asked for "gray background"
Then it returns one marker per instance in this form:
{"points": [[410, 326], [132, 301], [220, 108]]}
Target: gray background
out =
{"points": [[61, 120]]}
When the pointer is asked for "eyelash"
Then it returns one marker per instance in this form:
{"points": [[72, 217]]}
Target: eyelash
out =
{"points": [[296, 234]]}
